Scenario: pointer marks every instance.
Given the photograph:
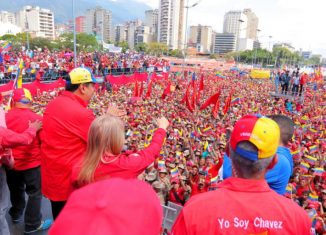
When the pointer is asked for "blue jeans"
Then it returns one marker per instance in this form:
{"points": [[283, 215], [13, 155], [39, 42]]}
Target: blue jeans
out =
{"points": [[4, 202]]}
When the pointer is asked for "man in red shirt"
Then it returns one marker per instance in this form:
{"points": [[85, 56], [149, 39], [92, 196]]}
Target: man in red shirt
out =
{"points": [[303, 80], [66, 122], [9, 139], [244, 203], [26, 174]]}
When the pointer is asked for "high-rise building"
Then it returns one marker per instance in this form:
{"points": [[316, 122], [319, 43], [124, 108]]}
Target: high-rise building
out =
{"points": [[80, 24], [252, 25], [99, 23], [244, 24], [151, 20], [37, 21], [131, 28], [201, 38], [120, 33], [143, 35], [235, 22], [171, 23], [7, 17], [224, 43]]}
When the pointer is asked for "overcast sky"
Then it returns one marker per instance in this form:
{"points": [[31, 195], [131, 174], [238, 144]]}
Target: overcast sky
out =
{"points": [[300, 22]]}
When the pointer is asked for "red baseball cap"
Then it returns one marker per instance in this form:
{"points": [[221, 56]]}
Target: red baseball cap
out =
{"points": [[113, 206]]}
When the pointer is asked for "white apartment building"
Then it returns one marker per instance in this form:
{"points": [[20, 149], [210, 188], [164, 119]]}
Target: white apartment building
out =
{"points": [[244, 24], [224, 43], [7, 17], [151, 20], [201, 37], [120, 33], [99, 23], [143, 35], [131, 29], [171, 23], [37, 21]]}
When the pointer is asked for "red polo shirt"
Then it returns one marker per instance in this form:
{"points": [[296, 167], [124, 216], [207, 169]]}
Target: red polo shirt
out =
{"points": [[241, 206], [26, 157], [66, 122]]}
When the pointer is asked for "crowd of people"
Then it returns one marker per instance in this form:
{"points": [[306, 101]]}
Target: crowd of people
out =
{"points": [[90, 134]]}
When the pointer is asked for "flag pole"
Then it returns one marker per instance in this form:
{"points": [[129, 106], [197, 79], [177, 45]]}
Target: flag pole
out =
{"points": [[74, 23]]}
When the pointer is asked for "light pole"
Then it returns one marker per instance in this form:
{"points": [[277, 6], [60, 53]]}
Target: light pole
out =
{"points": [[27, 36], [238, 38], [74, 23], [269, 48], [254, 60], [185, 40]]}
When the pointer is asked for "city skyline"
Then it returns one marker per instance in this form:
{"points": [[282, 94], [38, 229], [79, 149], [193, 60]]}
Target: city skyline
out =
{"points": [[281, 19]]}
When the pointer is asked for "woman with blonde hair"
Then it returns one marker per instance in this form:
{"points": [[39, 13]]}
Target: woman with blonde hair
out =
{"points": [[103, 158]]}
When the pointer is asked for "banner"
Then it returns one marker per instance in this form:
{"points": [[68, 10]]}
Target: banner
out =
{"points": [[260, 74], [112, 48]]}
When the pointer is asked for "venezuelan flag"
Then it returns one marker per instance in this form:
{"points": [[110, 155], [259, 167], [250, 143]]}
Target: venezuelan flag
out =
{"points": [[296, 153], [161, 164], [174, 172], [214, 180], [207, 129], [6, 46], [311, 160], [318, 171], [304, 166], [235, 100], [313, 197], [313, 149]]}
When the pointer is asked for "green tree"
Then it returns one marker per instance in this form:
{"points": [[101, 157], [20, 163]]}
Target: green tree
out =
{"points": [[141, 47], [39, 42], [124, 45], [156, 48], [84, 42], [176, 53]]}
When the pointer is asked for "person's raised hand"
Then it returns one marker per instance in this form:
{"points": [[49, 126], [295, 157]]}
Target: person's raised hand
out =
{"points": [[37, 124], [162, 123], [115, 111]]}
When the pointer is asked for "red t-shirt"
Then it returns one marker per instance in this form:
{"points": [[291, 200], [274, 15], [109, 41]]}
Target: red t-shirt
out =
{"points": [[26, 157], [241, 206], [66, 122]]}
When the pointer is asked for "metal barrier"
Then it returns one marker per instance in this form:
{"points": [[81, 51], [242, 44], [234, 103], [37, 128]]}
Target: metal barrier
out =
{"points": [[52, 76], [170, 214]]}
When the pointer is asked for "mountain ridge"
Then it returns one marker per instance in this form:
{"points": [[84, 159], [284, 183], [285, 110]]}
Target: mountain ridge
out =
{"points": [[122, 10]]}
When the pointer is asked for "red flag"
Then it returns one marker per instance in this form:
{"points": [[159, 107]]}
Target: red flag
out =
{"points": [[141, 89], [201, 84], [166, 91], [227, 103], [216, 108], [186, 95], [191, 109], [149, 90], [211, 100], [136, 90], [194, 93]]}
